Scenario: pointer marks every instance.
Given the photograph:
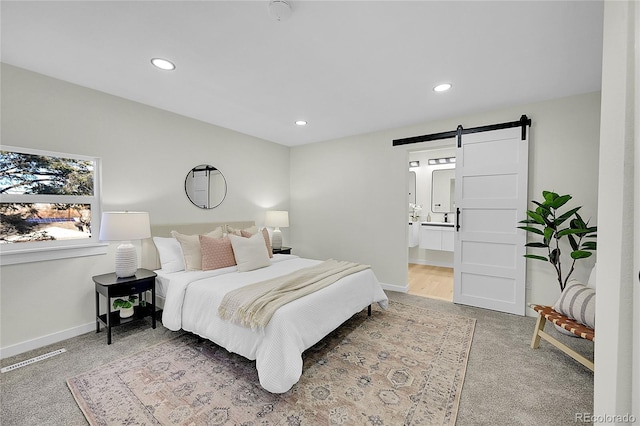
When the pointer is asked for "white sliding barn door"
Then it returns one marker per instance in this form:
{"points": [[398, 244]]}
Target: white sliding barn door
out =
{"points": [[491, 195]]}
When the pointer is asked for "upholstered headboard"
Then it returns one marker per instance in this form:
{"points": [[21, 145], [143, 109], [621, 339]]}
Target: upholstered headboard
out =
{"points": [[150, 259]]}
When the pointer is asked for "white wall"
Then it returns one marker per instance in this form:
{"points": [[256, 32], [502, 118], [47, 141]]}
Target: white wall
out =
{"points": [[617, 366], [348, 195], [146, 154]]}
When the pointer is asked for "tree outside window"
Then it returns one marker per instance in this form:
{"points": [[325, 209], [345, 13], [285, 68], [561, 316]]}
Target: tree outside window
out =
{"points": [[46, 198]]}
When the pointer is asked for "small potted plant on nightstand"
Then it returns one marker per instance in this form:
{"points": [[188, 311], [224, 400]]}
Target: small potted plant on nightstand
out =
{"points": [[125, 305]]}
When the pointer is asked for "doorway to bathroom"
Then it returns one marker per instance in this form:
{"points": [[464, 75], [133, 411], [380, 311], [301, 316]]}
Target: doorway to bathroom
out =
{"points": [[435, 282], [431, 207]]}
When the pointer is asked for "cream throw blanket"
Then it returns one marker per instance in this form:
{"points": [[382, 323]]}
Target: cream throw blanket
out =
{"points": [[254, 305]]}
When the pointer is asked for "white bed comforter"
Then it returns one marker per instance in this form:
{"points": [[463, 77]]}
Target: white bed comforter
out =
{"points": [[192, 301]]}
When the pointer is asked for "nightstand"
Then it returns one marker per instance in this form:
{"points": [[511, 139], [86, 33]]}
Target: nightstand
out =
{"points": [[283, 250], [110, 286]]}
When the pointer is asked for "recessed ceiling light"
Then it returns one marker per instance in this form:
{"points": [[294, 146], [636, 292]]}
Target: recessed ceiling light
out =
{"points": [[301, 123], [163, 64], [442, 87]]}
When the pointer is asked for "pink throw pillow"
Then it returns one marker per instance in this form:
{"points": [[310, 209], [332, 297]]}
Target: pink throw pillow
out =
{"points": [[216, 253]]}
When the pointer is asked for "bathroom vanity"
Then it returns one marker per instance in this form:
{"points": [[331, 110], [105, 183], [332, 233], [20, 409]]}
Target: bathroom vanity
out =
{"points": [[436, 236]]}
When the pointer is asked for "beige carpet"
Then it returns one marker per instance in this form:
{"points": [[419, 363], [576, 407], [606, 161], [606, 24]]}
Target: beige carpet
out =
{"points": [[405, 365]]}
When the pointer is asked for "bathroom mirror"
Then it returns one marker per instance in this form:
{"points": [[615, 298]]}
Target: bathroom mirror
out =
{"points": [[412, 187], [205, 186], [443, 189]]}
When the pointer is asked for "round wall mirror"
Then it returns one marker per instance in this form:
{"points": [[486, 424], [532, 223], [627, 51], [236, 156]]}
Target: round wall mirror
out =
{"points": [[205, 186]]}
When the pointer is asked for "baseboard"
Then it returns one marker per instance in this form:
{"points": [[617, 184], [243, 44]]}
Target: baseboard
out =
{"points": [[431, 263], [56, 337], [393, 287], [49, 339]]}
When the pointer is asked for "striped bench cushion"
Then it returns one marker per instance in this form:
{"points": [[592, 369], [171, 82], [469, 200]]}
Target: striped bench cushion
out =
{"points": [[565, 322]]}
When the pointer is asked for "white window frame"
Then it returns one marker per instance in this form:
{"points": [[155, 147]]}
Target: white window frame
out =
{"points": [[36, 251]]}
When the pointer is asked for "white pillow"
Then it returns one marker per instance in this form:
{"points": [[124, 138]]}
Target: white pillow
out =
{"points": [[170, 254], [251, 253]]}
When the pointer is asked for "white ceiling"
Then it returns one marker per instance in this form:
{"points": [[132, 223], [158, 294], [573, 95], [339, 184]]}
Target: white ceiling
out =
{"points": [[347, 67]]}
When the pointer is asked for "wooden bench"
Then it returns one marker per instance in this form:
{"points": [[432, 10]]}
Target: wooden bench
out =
{"points": [[580, 330]]}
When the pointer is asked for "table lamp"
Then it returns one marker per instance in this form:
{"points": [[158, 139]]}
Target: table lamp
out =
{"points": [[125, 226], [276, 219]]}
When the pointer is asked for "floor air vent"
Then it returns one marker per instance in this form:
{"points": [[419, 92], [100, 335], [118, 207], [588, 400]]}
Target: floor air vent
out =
{"points": [[32, 360]]}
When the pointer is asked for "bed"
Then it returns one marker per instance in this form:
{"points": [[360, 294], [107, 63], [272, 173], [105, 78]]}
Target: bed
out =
{"points": [[190, 301]]}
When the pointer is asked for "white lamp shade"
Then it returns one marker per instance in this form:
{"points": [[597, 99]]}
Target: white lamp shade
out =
{"points": [[277, 218], [124, 226]]}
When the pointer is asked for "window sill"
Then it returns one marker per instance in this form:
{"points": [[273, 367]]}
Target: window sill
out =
{"points": [[15, 257]]}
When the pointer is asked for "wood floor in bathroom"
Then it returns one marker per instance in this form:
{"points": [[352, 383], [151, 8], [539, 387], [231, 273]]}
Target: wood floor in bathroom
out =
{"points": [[431, 281]]}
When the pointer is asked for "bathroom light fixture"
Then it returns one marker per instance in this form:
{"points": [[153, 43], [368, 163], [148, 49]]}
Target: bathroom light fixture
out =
{"points": [[301, 123], [163, 64], [414, 164], [445, 160], [442, 87]]}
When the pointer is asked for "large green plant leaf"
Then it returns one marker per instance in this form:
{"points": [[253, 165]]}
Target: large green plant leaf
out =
{"points": [[548, 234], [560, 201], [549, 196], [531, 229], [536, 216], [537, 245], [570, 231], [589, 245], [535, 256], [580, 254], [573, 242], [542, 207], [562, 218]]}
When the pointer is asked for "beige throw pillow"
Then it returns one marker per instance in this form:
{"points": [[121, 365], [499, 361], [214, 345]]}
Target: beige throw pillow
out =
{"points": [[250, 253], [236, 231], [191, 248]]}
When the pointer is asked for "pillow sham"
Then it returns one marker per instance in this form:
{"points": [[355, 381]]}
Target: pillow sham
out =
{"points": [[578, 302], [190, 245], [216, 253], [170, 254], [250, 253], [267, 241]]}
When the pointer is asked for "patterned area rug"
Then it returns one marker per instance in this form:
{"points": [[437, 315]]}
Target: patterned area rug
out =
{"points": [[405, 366]]}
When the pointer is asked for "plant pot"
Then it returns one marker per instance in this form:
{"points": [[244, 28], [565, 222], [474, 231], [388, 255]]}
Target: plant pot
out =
{"points": [[126, 312]]}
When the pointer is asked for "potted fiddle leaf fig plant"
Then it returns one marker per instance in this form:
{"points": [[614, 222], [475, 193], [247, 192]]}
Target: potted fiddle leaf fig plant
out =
{"points": [[550, 225], [125, 306]]}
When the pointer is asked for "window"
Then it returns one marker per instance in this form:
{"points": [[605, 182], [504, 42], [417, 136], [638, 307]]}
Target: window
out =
{"points": [[49, 205]]}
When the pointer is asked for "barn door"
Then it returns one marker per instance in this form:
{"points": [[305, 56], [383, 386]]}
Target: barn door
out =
{"points": [[491, 197]]}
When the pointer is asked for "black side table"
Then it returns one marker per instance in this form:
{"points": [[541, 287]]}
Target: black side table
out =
{"points": [[283, 250], [109, 285]]}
